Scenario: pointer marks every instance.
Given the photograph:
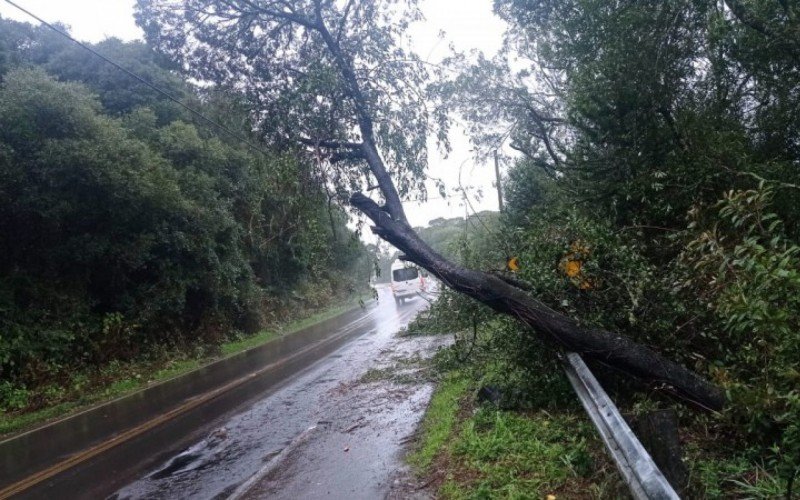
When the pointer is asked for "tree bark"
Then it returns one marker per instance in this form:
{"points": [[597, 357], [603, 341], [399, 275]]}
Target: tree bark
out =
{"points": [[612, 349]]}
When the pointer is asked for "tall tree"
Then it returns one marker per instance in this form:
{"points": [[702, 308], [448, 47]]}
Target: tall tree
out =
{"points": [[644, 110], [334, 77]]}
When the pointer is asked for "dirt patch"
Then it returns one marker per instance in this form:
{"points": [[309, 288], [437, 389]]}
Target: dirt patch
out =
{"points": [[405, 485]]}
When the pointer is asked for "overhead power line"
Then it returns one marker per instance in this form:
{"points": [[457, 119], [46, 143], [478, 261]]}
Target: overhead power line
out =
{"points": [[141, 80]]}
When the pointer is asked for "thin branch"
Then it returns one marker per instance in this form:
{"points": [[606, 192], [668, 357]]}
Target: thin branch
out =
{"points": [[330, 144]]}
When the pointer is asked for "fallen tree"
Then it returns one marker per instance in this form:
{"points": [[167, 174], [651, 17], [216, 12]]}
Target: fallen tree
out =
{"points": [[325, 55]]}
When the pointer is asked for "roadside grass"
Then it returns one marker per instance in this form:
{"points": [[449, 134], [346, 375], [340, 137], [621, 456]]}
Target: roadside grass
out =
{"points": [[733, 477], [717, 473], [504, 454], [440, 420], [120, 379], [472, 452], [16, 423]]}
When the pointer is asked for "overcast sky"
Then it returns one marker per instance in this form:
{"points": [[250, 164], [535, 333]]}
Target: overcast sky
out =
{"points": [[468, 24]]}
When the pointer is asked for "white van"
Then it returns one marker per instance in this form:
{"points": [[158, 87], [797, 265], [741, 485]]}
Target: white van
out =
{"points": [[407, 281]]}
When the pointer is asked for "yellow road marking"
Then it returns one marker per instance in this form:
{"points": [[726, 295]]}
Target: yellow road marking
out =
{"points": [[192, 403]]}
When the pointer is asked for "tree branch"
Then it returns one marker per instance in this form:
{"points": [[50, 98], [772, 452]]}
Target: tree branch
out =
{"points": [[330, 144], [613, 349], [393, 204], [281, 14], [742, 14]]}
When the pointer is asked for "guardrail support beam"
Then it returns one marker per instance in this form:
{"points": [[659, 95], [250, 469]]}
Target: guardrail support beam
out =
{"points": [[642, 475]]}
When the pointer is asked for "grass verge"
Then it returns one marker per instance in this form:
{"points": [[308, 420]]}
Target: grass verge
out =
{"points": [[440, 420], [471, 452], [119, 379]]}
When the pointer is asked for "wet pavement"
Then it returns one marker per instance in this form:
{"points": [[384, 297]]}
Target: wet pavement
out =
{"points": [[93, 453], [337, 430]]}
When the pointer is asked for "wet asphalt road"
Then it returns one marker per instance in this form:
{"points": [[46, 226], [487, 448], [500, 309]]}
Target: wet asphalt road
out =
{"points": [[336, 430]]}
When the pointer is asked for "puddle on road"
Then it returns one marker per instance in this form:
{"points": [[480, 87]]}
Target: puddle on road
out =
{"points": [[202, 455]]}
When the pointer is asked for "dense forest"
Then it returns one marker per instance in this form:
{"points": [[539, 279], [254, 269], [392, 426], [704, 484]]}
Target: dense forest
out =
{"points": [[130, 228]]}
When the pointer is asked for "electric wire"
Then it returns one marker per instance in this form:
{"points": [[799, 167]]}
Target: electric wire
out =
{"points": [[140, 79]]}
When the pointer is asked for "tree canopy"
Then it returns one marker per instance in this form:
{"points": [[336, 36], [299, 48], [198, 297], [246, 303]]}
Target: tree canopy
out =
{"points": [[127, 229], [377, 116], [331, 77], [644, 111]]}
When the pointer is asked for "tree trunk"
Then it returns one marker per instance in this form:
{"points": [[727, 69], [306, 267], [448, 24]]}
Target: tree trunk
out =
{"points": [[391, 224], [612, 349]]}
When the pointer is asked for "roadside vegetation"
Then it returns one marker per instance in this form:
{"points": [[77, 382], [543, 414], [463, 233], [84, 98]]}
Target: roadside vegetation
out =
{"points": [[656, 196], [472, 447], [120, 378], [135, 242], [500, 390]]}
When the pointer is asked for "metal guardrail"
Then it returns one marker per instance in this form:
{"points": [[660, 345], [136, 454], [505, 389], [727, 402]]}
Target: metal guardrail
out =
{"points": [[642, 475]]}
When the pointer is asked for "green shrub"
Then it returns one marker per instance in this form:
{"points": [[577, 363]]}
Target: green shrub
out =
{"points": [[13, 397], [745, 273]]}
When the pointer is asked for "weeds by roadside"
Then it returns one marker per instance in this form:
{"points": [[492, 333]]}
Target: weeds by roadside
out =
{"points": [[472, 450], [117, 379]]}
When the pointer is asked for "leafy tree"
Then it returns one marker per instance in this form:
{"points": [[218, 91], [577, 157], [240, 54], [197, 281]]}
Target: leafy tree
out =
{"points": [[645, 111], [338, 79], [117, 91], [21, 43], [126, 230], [98, 218], [12, 37]]}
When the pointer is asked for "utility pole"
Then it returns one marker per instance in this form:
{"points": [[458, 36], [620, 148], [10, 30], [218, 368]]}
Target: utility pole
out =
{"points": [[499, 186]]}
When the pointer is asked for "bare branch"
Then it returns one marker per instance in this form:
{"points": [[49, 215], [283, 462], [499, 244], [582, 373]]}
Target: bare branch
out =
{"points": [[330, 144]]}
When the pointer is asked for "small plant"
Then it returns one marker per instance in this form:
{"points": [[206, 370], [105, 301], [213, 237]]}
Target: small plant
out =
{"points": [[13, 397]]}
